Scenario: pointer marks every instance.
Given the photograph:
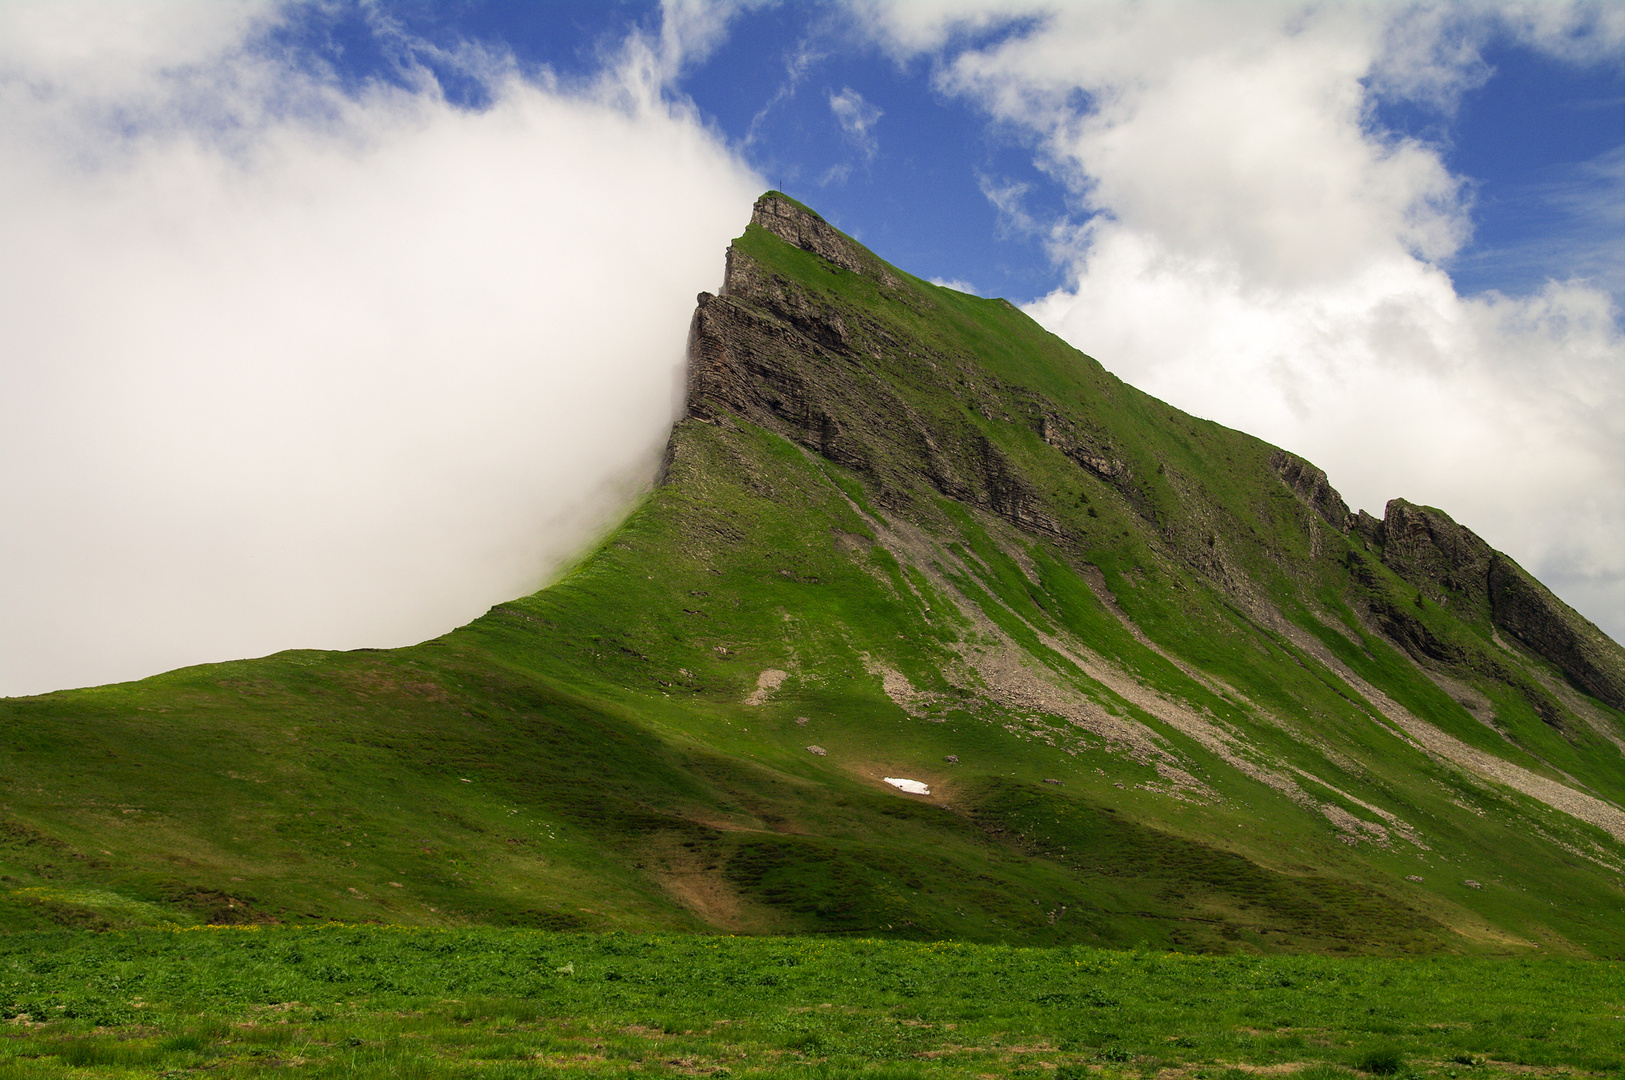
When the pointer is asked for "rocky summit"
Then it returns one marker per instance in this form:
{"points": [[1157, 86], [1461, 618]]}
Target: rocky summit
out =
{"points": [[930, 628]]}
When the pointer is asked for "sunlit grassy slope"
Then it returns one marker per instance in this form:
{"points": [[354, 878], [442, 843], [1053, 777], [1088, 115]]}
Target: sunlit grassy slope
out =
{"points": [[1157, 694]]}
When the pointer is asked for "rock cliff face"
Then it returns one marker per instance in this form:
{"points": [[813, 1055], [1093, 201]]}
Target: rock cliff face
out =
{"points": [[1310, 484], [1427, 548], [797, 225], [1454, 566], [764, 350]]}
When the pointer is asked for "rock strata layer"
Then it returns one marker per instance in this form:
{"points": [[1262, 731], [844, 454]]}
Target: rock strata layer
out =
{"points": [[1427, 548], [1454, 566], [768, 352]]}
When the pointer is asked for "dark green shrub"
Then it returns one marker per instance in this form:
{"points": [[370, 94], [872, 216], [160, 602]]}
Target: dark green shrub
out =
{"points": [[95, 1053], [1380, 1061]]}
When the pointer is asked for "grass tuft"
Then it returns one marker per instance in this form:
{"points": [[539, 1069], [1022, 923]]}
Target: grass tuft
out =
{"points": [[1380, 1061]]}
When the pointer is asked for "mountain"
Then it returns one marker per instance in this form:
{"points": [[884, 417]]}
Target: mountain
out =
{"points": [[1154, 679]]}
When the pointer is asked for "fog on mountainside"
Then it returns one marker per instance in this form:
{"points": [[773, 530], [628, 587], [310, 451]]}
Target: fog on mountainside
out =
{"points": [[290, 367]]}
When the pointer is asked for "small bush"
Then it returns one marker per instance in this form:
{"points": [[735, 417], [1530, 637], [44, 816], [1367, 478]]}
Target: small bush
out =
{"points": [[100, 1012], [1380, 1061], [94, 1053]]}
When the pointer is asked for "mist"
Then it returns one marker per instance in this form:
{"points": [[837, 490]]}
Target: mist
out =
{"points": [[289, 364]]}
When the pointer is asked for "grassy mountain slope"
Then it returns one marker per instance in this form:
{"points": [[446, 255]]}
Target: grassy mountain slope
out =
{"points": [[1163, 686]]}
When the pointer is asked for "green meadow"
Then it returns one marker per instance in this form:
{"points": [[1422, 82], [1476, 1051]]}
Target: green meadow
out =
{"points": [[370, 1001]]}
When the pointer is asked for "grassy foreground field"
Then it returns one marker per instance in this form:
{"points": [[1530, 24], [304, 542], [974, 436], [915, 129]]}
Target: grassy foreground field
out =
{"points": [[393, 1002]]}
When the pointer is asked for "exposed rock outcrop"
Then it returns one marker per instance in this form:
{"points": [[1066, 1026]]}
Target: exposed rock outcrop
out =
{"points": [[767, 352], [1083, 448], [1369, 528], [1431, 551], [1310, 484], [1527, 610], [795, 224]]}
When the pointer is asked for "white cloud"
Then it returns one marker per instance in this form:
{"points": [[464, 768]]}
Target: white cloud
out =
{"points": [[1008, 198], [857, 118], [1253, 250], [910, 27], [93, 51], [797, 64], [956, 284], [835, 174], [690, 30], [287, 367], [1579, 31]]}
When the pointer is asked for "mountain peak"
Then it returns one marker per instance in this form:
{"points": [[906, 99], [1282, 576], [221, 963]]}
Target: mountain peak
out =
{"points": [[802, 227], [932, 628]]}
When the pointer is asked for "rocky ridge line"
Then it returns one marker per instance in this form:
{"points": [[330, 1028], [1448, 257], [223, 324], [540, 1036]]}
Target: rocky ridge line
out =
{"points": [[1429, 550]]}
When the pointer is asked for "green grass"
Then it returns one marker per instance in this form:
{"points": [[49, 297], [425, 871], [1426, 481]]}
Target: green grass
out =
{"points": [[587, 758], [389, 1001]]}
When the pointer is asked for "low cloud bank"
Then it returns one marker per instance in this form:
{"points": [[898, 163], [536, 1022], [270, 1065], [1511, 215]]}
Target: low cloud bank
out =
{"points": [[287, 365], [1254, 250]]}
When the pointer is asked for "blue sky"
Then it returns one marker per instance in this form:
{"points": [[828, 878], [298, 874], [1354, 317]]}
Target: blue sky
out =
{"points": [[1538, 138], [331, 324], [1542, 140]]}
